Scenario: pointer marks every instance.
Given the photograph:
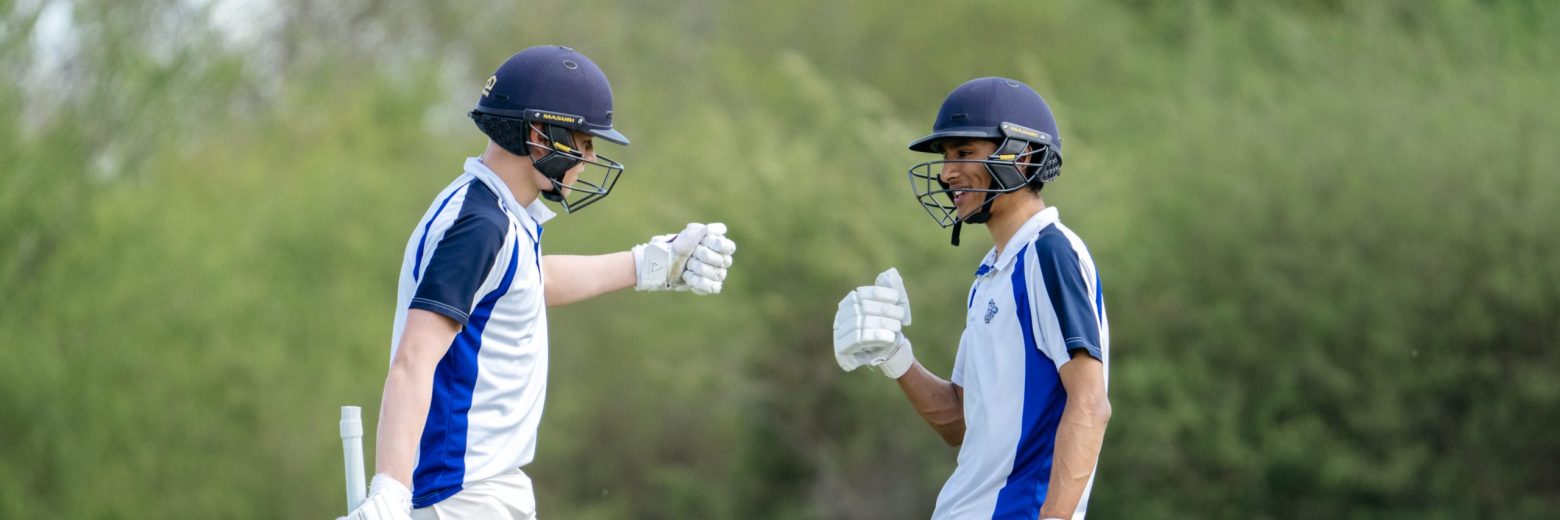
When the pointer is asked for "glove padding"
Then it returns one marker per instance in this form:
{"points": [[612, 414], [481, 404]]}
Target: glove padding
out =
{"points": [[387, 499], [869, 327], [694, 260]]}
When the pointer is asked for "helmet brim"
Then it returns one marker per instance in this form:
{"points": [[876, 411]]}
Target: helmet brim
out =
{"points": [[609, 134], [928, 144]]}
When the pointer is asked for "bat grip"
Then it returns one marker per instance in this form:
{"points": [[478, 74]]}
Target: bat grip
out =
{"points": [[352, 454]]}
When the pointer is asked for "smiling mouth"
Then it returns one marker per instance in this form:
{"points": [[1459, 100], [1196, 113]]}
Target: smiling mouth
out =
{"points": [[960, 194]]}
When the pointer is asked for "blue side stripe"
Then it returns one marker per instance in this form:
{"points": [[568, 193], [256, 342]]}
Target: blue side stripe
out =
{"points": [[441, 464], [1099, 301], [417, 263], [536, 248], [1044, 399]]}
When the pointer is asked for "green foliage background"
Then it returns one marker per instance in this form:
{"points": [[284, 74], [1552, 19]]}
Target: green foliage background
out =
{"points": [[1326, 231]]}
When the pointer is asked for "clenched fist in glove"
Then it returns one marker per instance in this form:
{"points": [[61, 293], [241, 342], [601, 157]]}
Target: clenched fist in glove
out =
{"points": [[694, 260], [388, 499], [868, 327]]}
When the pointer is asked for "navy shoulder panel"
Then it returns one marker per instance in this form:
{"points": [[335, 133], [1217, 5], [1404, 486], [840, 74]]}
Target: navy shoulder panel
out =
{"points": [[1064, 282], [464, 256]]}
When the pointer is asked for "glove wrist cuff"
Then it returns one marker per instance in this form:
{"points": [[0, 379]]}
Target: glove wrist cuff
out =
{"points": [[899, 362], [387, 486], [651, 261], [639, 264]]}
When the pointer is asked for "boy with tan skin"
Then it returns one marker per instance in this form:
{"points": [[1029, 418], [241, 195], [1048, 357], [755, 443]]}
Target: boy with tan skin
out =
{"points": [[468, 372], [1026, 403]]}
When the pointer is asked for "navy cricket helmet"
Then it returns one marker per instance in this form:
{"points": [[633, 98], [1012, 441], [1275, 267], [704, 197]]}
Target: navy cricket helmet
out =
{"points": [[1001, 110], [560, 91]]}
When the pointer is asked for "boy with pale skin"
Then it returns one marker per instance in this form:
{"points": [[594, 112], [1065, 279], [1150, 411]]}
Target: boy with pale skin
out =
{"points": [[1027, 402], [464, 393], [569, 278]]}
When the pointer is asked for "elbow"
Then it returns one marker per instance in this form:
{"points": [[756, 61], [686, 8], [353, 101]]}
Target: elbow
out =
{"points": [[411, 363], [402, 366], [951, 430], [953, 436], [947, 422], [1092, 408], [1099, 410]]}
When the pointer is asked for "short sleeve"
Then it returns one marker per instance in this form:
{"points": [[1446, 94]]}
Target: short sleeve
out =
{"points": [[1064, 283], [958, 367], [958, 358], [460, 263]]}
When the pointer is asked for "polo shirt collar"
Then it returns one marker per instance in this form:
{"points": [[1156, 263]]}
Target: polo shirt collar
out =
{"points": [[1025, 234], [537, 210]]}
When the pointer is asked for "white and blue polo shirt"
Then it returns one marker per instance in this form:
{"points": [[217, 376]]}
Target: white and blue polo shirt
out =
{"points": [[1029, 309], [476, 257]]}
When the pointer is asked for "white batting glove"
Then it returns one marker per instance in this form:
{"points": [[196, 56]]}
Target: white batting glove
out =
{"points": [[869, 327], [387, 499], [694, 260]]}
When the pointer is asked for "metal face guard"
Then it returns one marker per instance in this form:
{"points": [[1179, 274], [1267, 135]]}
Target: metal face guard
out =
{"points": [[1004, 166], [562, 156]]}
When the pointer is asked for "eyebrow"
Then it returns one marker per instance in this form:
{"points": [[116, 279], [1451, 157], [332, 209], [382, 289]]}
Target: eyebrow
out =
{"points": [[953, 144]]}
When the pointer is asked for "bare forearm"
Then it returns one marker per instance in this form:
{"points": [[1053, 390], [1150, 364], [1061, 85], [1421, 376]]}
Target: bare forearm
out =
{"points": [[938, 402], [1079, 437], [403, 409], [402, 412], [572, 278]]}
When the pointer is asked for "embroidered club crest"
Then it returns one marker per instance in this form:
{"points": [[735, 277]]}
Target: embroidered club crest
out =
{"points": [[991, 310]]}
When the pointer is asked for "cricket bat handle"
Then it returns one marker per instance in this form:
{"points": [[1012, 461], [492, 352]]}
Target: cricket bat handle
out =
{"points": [[352, 453]]}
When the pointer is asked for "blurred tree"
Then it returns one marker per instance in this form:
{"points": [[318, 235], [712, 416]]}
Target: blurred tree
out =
{"points": [[1325, 230]]}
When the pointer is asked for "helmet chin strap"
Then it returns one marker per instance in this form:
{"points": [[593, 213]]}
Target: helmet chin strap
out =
{"points": [[980, 216], [553, 165], [553, 194]]}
